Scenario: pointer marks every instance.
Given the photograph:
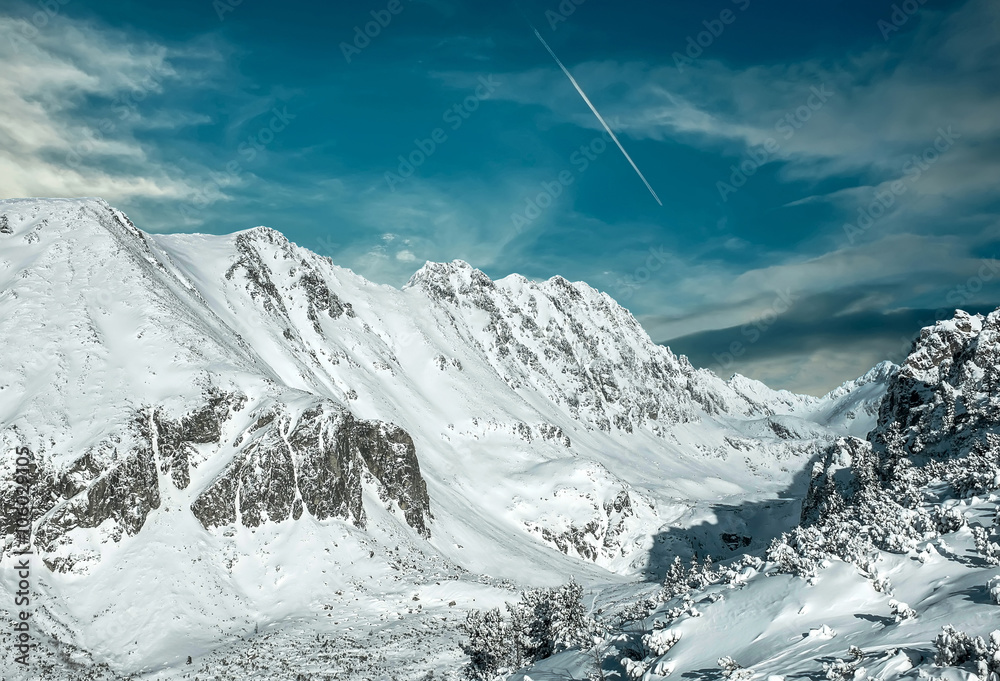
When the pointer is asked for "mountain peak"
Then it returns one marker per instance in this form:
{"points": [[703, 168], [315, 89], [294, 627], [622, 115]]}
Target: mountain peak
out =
{"points": [[449, 280], [262, 233]]}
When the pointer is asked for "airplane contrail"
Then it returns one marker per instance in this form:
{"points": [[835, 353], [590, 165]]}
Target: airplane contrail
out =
{"points": [[598, 114]]}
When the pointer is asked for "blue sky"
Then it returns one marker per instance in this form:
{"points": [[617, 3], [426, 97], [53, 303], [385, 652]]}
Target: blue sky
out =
{"points": [[828, 170]]}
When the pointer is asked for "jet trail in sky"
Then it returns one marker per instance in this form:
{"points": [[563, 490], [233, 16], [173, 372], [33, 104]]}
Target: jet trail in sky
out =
{"points": [[597, 113]]}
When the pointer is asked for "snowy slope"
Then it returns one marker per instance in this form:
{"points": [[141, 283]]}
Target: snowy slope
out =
{"points": [[246, 436], [894, 571]]}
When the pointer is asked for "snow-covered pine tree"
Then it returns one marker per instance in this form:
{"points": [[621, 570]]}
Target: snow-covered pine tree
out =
{"points": [[676, 581], [489, 646]]}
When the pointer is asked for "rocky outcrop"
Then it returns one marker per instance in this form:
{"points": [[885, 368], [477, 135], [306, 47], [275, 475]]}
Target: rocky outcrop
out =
{"points": [[321, 300], [316, 463], [603, 538], [175, 438], [260, 280], [941, 405], [121, 492], [390, 457], [945, 398], [116, 483]]}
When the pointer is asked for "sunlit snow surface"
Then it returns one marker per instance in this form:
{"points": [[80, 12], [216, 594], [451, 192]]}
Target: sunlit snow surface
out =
{"points": [[533, 406]]}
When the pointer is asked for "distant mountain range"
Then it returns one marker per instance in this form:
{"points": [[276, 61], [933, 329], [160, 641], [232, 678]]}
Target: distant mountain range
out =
{"points": [[239, 443]]}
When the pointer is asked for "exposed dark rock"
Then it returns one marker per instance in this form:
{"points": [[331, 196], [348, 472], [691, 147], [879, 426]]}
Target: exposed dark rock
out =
{"points": [[174, 439], [735, 541], [580, 363], [320, 299], [216, 506], [78, 476], [944, 399], [117, 480], [329, 475], [257, 273], [390, 456], [266, 481], [125, 493], [318, 467]]}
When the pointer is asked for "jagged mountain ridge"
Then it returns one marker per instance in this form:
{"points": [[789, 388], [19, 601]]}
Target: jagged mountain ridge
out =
{"points": [[264, 392], [892, 571]]}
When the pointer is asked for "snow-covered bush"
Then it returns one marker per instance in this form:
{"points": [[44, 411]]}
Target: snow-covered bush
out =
{"points": [[901, 611], [994, 588], [975, 474], [680, 579], [542, 623], [947, 520], [845, 670], [955, 648], [800, 551], [987, 548], [492, 648], [685, 608], [635, 612], [659, 642], [882, 585], [634, 668], [741, 571], [733, 670]]}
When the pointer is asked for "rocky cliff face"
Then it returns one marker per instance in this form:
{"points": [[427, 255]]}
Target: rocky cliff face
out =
{"points": [[942, 404], [945, 398], [118, 396], [317, 463]]}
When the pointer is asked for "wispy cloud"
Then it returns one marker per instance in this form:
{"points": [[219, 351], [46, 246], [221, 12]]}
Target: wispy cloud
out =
{"points": [[887, 103], [77, 98]]}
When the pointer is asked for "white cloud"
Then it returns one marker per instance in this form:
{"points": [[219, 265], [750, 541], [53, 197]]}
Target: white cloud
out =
{"points": [[54, 140], [722, 297]]}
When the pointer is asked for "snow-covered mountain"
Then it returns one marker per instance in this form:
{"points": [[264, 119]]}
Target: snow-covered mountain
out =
{"points": [[238, 434], [893, 572]]}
